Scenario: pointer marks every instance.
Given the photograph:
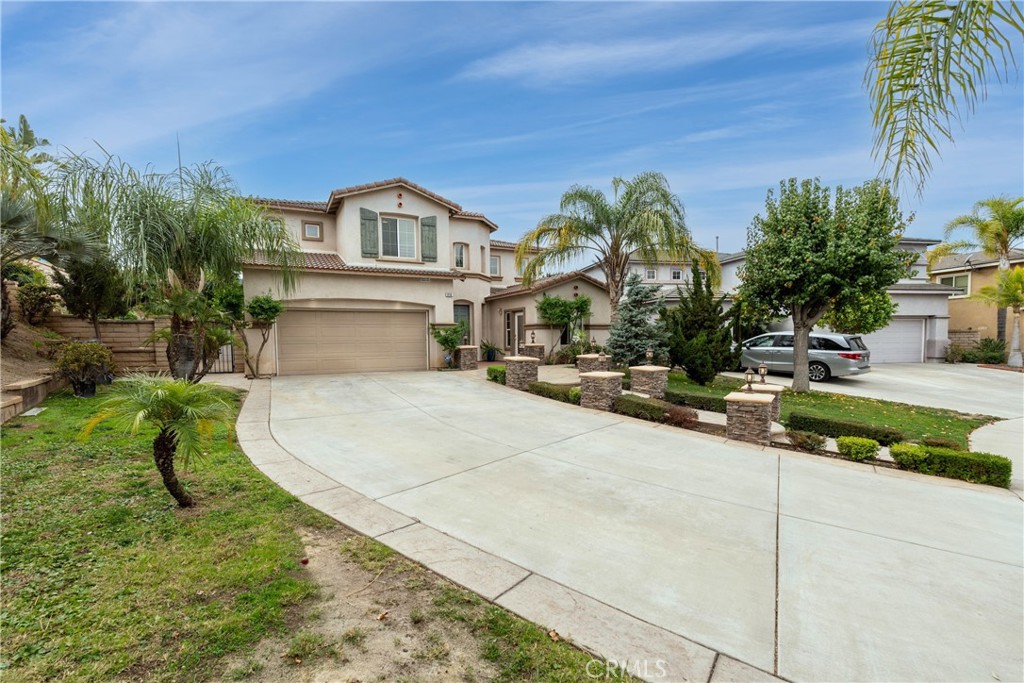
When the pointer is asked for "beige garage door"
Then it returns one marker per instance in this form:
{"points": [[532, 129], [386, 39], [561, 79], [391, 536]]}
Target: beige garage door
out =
{"points": [[322, 342]]}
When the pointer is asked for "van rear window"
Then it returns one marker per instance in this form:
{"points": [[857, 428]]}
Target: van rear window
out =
{"points": [[857, 343], [826, 344]]}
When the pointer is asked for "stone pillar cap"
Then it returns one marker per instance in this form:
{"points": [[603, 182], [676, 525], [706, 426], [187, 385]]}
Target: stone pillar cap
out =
{"points": [[768, 388], [591, 355], [522, 359], [468, 346], [649, 368], [747, 397], [535, 344], [602, 374]]}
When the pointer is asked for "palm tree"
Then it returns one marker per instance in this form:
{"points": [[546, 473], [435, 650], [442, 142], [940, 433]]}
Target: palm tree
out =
{"points": [[184, 413], [931, 63], [1008, 293], [644, 219], [176, 231]]}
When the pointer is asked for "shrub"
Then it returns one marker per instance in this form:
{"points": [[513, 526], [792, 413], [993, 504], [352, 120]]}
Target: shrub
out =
{"points": [[909, 456], [23, 274], [84, 364], [449, 337], [680, 416], [715, 404], [836, 428], [650, 409], [857, 448], [991, 350], [955, 353], [979, 468], [807, 441], [559, 392], [942, 442], [575, 395], [36, 302], [496, 373], [699, 337]]}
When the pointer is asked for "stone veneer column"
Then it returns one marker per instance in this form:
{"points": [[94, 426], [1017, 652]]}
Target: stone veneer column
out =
{"points": [[534, 351], [775, 391], [594, 362], [748, 417], [520, 371], [649, 379], [467, 357], [600, 389]]}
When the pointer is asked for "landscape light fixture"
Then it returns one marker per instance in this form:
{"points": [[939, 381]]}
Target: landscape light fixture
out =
{"points": [[749, 377], [762, 370], [650, 355]]}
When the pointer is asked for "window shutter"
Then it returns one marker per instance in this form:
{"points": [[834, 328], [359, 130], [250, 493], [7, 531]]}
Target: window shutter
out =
{"points": [[428, 238], [368, 232]]}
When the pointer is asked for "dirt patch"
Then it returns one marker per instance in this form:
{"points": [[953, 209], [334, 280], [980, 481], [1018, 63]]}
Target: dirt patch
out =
{"points": [[19, 359], [378, 617]]}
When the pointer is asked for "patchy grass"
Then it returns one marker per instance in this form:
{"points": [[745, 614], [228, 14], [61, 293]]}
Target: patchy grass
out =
{"points": [[916, 422], [104, 577], [308, 646]]}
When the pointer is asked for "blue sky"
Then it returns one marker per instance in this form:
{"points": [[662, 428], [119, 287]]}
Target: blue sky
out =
{"points": [[500, 107]]}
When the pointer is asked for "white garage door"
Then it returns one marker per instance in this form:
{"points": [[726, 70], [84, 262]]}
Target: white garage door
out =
{"points": [[323, 342], [902, 341]]}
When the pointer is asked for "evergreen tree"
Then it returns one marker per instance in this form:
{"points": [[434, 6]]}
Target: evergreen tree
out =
{"points": [[92, 289], [700, 339], [638, 328]]}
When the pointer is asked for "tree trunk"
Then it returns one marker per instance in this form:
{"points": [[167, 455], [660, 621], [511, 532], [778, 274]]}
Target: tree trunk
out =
{"points": [[804, 320], [265, 337], [6, 318], [164, 447], [96, 328], [182, 354], [1015, 360]]}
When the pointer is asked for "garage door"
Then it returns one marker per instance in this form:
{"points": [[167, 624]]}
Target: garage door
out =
{"points": [[321, 342], [902, 341]]}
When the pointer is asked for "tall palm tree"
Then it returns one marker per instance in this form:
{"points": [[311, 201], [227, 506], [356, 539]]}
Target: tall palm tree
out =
{"points": [[1008, 293], [176, 231], [644, 219], [184, 413], [931, 64]]}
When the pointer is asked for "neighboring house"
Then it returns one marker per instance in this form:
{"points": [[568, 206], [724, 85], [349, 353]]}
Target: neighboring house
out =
{"points": [[666, 273], [967, 274], [918, 332]]}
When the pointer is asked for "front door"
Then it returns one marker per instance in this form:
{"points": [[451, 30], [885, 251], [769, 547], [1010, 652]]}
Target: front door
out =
{"points": [[515, 331]]}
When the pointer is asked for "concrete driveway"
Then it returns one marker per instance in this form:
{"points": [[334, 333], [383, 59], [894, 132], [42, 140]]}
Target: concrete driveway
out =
{"points": [[689, 557]]}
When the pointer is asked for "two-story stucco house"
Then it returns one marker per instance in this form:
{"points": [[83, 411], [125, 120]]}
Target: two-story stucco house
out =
{"points": [[382, 262], [967, 274]]}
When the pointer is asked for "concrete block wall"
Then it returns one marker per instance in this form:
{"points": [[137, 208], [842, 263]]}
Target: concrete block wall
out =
{"points": [[966, 338]]}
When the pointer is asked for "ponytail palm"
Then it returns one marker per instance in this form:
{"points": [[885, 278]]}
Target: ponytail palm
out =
{"points": [[1008, 293], [184, 413], [643, 220], [932, 61]]}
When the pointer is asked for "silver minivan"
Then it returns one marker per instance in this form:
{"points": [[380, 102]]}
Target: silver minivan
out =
{"points": [[829, 355]]}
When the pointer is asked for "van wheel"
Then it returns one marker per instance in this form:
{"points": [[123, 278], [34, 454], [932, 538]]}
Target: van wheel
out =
{"points": [[818, 372]]}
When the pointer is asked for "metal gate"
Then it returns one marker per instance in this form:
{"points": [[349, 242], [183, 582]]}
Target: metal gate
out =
{"points": [[225, 360]]}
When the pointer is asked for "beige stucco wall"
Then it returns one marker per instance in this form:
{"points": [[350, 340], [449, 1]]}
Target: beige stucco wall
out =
{"points": [[386, 202], [293, 220], [965, 314], [507, 277]]}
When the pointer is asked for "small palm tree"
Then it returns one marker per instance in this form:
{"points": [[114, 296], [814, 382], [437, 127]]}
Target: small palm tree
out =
{"points": [[1008, 293], [185, 413], [997, 228], [643, 220]]}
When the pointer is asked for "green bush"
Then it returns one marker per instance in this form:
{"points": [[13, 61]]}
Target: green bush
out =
{"points": [[955, 353], [680, 416], [559, 392], [909, 456], [496, 373], [857, 448], [84, 364], [715, 404], [836, 428], [807, 441], [942, 442], [36, 302], [575, 395], [650, 409], [979, 468], [991, 350]]}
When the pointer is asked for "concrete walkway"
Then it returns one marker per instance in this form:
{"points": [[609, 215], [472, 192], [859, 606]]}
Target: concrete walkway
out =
{"points": [[1004, 438], [672, 550]]}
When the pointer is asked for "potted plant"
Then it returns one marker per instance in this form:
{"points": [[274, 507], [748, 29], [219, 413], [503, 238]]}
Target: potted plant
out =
{"points": [[490, 350], [84, 364]]}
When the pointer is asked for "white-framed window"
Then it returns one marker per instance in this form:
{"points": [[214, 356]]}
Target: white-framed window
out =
{"points": [[652, 274], [961, 282], [677, 274], [313, 231], [398, 237], [461, 256], [496, 265]]}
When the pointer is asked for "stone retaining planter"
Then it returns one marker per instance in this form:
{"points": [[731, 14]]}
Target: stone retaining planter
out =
{"points": [[20, 396], [520, 371], [748, 417], [775, 391], [594, 362], [649, 379], [598, 390], [534, 351], [467, 356]]}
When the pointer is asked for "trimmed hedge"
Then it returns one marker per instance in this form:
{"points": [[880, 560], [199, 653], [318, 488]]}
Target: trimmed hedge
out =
{"points": [[806, 441], [857, 448], [651, 409], [496, 373], [559, 392], [715, 404], [836, 428], [978, 468], [908, 456], [680, 416]]}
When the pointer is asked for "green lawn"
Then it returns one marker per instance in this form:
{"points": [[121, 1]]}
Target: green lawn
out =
{"points": [[916, 422], [104, 577]]}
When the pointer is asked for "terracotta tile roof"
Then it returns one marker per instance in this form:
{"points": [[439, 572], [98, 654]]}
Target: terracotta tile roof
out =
{"points": [[393, 182], [933, 287], [502, 244], [329, 261], [974, 260], [545, 283], [476, 216], [292, 204]]}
